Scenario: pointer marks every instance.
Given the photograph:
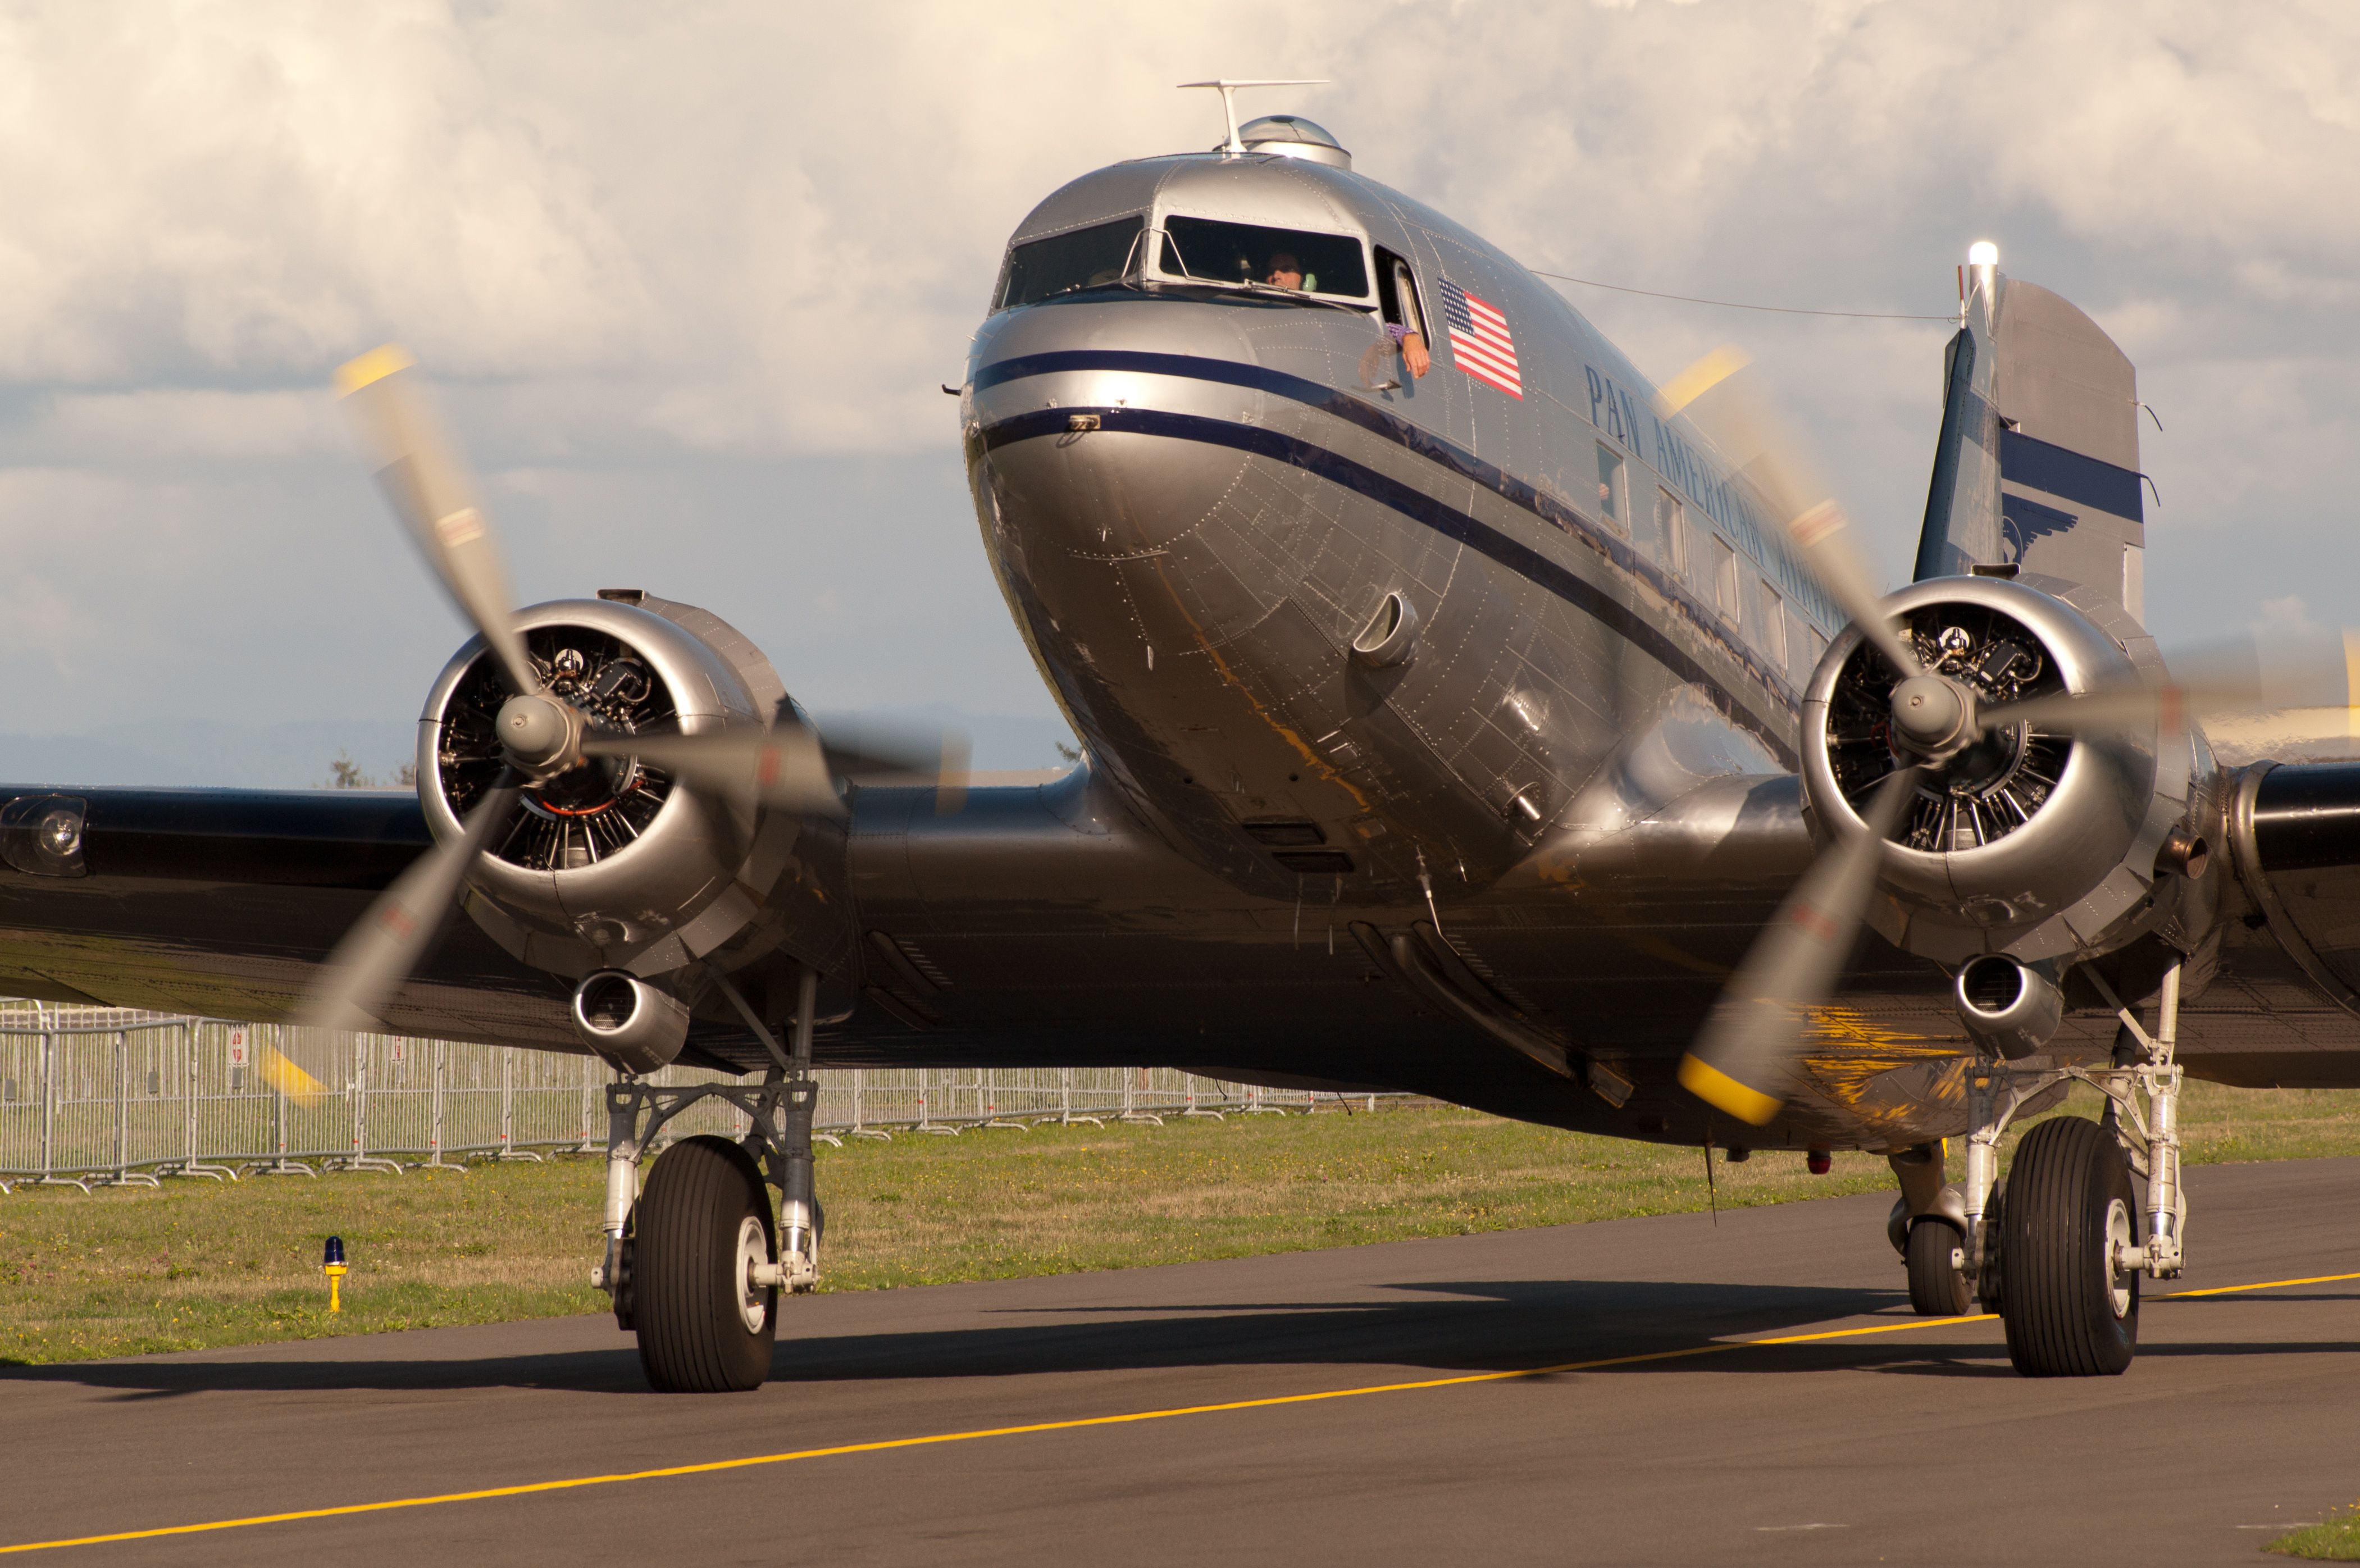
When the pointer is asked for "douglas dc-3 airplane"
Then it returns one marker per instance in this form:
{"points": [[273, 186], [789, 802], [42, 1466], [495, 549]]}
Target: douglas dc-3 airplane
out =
{"points": [[1460, 713]]}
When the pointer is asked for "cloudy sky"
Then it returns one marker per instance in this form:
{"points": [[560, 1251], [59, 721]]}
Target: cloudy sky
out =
{"points": [[689, 276]]}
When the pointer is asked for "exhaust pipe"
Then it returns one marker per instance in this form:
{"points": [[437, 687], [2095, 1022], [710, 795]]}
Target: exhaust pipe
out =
{"points": [[2012, 1009], [629, 1022]]}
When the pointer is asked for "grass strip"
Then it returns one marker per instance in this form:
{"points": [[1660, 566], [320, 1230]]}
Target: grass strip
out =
{"points": [[2334, 1539], [198, 1265]]}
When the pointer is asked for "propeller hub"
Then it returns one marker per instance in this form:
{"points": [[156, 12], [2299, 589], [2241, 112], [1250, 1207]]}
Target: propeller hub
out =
{"points": [[541, 735], [1933, 717]]}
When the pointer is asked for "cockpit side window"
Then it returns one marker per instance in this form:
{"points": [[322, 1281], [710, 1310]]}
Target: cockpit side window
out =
{"points": [[1094, 258], [1397, 293], [1404, 313], [1207, 251]]}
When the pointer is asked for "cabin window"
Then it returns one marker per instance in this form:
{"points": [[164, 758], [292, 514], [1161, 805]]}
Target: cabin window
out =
{"points": [[1672, 526], [1610, 494], [1079, 258], [1206, 250], [1774, 625], [1802, 661], [1724, 578]]}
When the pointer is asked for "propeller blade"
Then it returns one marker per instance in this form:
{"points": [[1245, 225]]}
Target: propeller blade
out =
{"points": [[2299, 669], [871, 752], [417, 464], [385, 945], [783, 768], [1743, 1060], [1726, 402], [793, 768]]}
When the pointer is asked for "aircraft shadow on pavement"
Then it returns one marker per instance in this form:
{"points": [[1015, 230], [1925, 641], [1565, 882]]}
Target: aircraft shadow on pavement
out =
{"points": [[1432, 1327], [1438, 1326]]}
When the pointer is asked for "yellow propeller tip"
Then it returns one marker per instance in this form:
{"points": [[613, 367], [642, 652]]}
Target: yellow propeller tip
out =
{"points": [[371, 367], [1721, 1091], [1699, 379], [288, 1079]]}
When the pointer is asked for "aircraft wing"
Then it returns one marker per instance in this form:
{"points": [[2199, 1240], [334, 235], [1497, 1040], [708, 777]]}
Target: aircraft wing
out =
{"points": [[1038, 925], [224, 902]]}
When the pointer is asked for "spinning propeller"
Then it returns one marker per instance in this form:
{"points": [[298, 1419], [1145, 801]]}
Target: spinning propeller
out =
{"points": [[1746, 1056], [787, 767]]}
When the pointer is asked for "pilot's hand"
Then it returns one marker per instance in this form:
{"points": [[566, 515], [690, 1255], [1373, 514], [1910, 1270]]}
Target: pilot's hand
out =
{"points": [[1414, 354]]}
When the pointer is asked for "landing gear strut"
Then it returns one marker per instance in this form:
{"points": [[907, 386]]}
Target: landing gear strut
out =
{"points": [[2058, 1252], [694, 1264]]}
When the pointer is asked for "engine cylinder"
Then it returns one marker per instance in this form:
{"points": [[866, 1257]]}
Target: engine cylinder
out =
{"points": [[629, 1022]]}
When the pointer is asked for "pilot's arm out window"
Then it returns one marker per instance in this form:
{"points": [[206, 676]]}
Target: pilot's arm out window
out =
{"points": [[1404, 315]]}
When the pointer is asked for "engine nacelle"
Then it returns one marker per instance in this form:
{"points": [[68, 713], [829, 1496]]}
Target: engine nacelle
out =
{"points": [[2033, 845], [617, 865]]}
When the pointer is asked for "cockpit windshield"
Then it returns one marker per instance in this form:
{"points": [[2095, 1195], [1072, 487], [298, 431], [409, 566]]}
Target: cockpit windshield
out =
{"points": [[1079, 258], [1211, 252]]}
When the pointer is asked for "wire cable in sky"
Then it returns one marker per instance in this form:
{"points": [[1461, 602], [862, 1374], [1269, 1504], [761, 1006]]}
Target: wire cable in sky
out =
{"points": [[1739, 305]]}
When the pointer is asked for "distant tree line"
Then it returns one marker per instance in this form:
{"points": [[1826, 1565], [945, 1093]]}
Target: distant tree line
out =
{"points": [[344, 773]]}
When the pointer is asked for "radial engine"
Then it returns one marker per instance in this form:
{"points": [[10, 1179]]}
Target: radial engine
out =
{"points": [[2016, 839], [616, 867]]}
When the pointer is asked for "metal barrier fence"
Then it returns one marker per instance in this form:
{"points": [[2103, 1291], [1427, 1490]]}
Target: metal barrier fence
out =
{"points": [[92, 1095]]}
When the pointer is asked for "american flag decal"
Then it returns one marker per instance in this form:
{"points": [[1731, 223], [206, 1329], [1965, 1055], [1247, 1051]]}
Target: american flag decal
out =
{"points": [[1480, 340]]}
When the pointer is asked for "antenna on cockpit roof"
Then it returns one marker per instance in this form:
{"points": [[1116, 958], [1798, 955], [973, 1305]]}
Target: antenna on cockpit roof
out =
{"points": [[1229, 90]]}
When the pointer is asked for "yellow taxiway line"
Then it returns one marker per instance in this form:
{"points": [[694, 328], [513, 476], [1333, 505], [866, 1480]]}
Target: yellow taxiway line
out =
{"points": [[749, 1462]]}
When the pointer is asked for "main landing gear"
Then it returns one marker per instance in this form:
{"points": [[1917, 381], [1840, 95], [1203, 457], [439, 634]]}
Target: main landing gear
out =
{"points": [[2059, 1249], [694, 1263]]}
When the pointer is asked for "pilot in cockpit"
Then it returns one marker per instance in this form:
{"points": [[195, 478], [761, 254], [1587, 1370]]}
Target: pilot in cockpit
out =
{"points": [[1283, 271]]}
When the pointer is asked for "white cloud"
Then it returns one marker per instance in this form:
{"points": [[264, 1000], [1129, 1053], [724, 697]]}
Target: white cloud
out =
{"points": [[719, 238], [111, 428]]}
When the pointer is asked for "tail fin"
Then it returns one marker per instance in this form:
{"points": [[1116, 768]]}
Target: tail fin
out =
{"points": [[2038, 464]]}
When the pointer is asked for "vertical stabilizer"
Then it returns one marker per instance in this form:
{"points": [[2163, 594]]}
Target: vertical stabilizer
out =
{"points": [[1962, 511], [2037, 465]]}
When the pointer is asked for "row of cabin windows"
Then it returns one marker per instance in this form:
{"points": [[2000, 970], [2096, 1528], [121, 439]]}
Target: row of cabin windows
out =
{"points": [[1712, 567]]}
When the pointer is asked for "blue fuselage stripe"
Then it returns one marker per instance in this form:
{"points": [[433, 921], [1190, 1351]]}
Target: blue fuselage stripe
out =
{"points": [[1311, 394], [1406, 500]]}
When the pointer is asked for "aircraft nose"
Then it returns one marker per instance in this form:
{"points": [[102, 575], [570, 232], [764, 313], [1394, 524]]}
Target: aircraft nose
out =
{"points": [[1123, 463], [1109, 438]]}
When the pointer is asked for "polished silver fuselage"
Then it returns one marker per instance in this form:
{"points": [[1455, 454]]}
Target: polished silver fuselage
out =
{"points": [[1192, 570]]}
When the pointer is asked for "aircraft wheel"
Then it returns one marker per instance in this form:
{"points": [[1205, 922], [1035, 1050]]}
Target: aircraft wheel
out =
{"points": [[2071, 1305], [1938, 1270], [702, 1225]]}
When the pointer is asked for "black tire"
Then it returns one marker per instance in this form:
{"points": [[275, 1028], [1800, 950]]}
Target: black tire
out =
{"points": [[687, 1283], [1937, 1273], [1991, 1280], [626, 1301], [2068, 1313]]}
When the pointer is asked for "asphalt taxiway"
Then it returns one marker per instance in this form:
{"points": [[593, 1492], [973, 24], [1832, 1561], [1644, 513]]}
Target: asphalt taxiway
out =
{"points": [[1658, 1390]]}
